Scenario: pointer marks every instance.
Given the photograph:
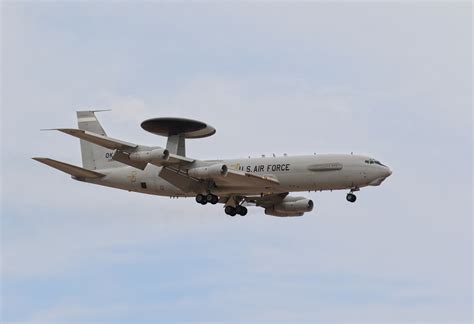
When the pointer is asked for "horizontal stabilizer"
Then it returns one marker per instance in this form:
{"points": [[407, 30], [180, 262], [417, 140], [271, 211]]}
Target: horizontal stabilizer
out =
{"points": [[73, 170], [104, 141]]}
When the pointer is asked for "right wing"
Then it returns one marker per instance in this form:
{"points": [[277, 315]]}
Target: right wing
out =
{"points": [[234, 179], [266, 201], [240, 179]]}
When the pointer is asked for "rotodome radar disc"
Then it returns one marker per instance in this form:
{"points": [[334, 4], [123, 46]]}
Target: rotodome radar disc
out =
{"points": [[167, 126]]}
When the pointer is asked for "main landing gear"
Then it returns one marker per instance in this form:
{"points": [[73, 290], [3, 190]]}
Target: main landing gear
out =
{"points": [[213, 199], [209, 198], [240, 210]]}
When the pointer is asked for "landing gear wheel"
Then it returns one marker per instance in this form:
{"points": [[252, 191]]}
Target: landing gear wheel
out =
{"points": [[200, 199], [351, 197], [213, 199], [229, 210], [238, 209]]}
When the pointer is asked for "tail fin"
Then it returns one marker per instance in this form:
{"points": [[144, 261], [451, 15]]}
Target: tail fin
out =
{"points": [[94, 157]]}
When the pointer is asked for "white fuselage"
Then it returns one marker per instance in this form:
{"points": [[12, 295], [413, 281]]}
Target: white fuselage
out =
{"points": [[294, 173]]}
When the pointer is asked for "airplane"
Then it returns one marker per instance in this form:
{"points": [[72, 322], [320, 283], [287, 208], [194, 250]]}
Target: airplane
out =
{"points": [[264, 182]]}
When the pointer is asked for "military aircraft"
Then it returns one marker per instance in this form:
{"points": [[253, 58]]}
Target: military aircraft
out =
{"points": [[238, 183]]}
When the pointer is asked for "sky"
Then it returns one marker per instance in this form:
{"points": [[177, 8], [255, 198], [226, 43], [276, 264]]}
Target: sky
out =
{"points": [[392, 80]]}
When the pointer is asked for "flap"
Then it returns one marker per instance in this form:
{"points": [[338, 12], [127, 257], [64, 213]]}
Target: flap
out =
{"points": [[73, 170]]}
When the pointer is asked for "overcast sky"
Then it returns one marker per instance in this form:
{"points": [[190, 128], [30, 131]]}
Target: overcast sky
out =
{"points": [[393, 81]]}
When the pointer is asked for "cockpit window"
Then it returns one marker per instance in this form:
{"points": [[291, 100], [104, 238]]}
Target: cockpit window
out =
{"points": [[372, 161]]}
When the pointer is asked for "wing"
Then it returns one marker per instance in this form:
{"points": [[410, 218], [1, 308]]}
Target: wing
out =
{"points": [[266, 201], [240, 179], [104, 141], [122, 149]]}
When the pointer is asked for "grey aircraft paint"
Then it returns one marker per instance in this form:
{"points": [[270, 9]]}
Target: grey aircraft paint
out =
{"points": [[263, 181]]}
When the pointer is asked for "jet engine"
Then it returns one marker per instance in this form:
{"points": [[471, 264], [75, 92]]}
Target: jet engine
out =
{"points": [[291, 207], [156, 155], [212, 171]]}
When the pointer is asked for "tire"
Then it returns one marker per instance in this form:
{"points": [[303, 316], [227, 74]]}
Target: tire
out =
{"points": [[209, 197], [244, 211], [214, 200], [239, 210], [351, 197], [200, 198], [228, 210]]}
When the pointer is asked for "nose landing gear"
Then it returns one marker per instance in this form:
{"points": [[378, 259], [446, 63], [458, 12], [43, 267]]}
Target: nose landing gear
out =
{"points": [[351, 197]]}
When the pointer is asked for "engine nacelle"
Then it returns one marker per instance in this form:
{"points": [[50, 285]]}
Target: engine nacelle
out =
{"points": [[291, 207], [207, 172], [294, 205], [156, 155], [272, 212]]}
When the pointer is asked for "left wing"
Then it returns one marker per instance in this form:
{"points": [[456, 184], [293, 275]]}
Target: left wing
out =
{"points": [[123, 149], [104, 141]]}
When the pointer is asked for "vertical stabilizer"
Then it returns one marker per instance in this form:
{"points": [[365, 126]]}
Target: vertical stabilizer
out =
{"points": [[94, 157]]}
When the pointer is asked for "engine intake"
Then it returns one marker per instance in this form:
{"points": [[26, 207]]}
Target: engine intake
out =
{"points": [[156, 155], [216, 170]]}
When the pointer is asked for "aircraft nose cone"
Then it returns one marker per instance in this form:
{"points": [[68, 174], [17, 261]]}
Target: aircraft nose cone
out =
{"points": [[388, 173]]}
